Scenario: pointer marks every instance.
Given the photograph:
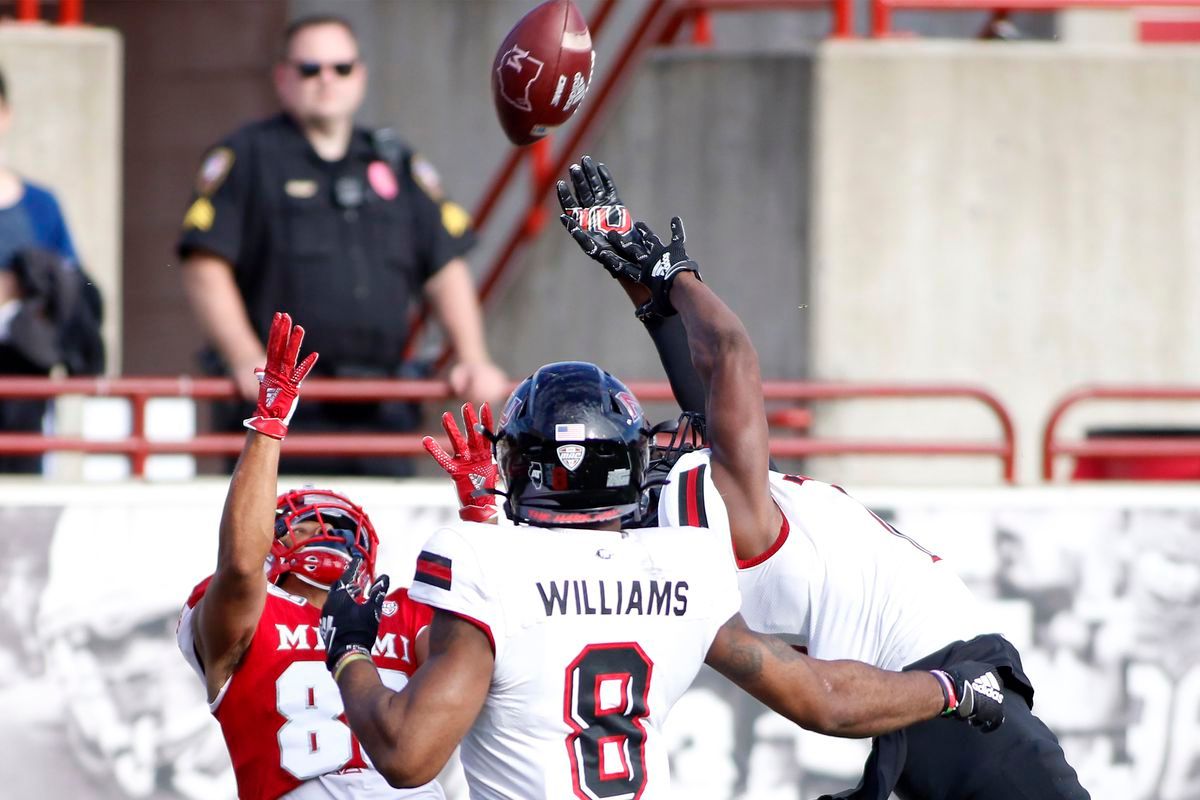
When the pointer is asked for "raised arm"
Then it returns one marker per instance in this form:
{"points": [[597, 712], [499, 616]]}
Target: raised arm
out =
{"points": [[409, 734], [849, 698], [592, 208], [727, 364], [228, 612]]}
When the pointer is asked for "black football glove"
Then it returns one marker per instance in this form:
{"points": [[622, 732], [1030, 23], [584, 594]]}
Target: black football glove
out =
{"points": [[659, 264], [973, 693], [594, 211], [349, 623]]}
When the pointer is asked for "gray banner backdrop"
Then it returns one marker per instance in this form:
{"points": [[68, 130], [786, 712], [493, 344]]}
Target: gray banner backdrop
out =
{"points": [[1098, 588]]}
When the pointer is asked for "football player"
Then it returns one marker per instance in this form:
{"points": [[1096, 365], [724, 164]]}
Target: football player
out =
{"points": [[813, 564], [250, 629], [558, 645]]}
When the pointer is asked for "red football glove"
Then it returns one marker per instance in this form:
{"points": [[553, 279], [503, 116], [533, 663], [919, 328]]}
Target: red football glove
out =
{"points": [[471, 466], [279, 381]]}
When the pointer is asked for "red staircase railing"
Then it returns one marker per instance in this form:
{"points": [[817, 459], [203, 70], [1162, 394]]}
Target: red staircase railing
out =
{"points": [[70, 12], [1124, 447], [777, 393], [881, 10]]}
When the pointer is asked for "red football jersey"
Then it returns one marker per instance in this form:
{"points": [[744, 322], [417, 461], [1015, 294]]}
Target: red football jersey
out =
{"points": [[280, 711]]}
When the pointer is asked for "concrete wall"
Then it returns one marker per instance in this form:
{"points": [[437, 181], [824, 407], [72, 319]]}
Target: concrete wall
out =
{"points": [[1026, 217], [723, 143], [64, 86]]}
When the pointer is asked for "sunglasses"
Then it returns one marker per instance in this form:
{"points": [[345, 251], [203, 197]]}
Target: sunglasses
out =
{"points": [[311, 69]]}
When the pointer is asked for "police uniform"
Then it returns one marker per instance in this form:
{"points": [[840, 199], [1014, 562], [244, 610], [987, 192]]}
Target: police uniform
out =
{"points": [[343, 246]]}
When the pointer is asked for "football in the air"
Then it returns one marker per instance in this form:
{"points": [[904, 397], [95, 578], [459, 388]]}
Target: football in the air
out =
{"points": [[542, 71]]}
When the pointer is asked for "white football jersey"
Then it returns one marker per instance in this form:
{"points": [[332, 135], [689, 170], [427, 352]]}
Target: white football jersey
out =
{"points": [[596, 635], [838, 580]]}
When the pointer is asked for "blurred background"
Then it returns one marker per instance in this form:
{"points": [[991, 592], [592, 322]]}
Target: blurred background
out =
{"points": [[964, 236]]}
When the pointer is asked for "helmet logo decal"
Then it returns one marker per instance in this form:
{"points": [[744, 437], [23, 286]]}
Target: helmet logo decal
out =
{"points": [[632, 407], [570, 432], [510, 408], [571, 455], [535, 475]]}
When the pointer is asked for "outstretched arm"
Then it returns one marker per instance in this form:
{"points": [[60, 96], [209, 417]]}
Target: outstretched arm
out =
{"points": [[411, 734], [228, 613], [849, 698], [736, 420], [727, 365]]}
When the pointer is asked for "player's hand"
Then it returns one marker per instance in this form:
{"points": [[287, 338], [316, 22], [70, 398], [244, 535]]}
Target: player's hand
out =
{"points": [[279, 382], [593, 211], [471, 466], [350, 616], [659, 264], [973, 693]]}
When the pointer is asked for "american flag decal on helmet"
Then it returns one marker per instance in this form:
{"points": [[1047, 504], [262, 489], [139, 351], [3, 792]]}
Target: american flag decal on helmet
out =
{"points": [[433, 570]]}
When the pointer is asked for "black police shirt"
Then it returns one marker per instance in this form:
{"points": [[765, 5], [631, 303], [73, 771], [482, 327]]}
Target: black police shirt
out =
{"points": [[342, 246]]}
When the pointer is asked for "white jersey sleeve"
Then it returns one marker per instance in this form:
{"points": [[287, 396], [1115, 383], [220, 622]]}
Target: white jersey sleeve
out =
{"points": [[450, 577]]}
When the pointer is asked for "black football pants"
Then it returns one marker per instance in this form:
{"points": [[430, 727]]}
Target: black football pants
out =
{"points": [[1021, 760]]}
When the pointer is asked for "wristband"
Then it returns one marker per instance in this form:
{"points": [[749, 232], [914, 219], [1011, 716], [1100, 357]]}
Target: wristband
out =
{"points": [[354, 653], [949, 698]]}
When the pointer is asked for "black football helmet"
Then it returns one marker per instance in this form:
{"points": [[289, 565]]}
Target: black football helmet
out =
{"points": [[573, 448]]}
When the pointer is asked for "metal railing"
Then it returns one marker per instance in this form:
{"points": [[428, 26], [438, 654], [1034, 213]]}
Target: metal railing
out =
{"points": [[881, 10], [1053, 446], [70, 12], [138, 391]]}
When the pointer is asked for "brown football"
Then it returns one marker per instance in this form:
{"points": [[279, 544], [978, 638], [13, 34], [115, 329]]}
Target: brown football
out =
{"points": [[542, 71]]}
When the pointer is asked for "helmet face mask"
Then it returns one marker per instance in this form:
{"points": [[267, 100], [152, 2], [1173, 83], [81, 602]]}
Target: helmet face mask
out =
{"points": [[572, 448], [317, 533]]}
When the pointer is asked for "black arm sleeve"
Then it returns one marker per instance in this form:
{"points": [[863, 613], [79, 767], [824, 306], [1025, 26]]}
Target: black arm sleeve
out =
{"points": [[670, 339]]}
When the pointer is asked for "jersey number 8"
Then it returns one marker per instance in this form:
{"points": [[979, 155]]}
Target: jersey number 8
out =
{"points": [[315, 740], [607, 687]]}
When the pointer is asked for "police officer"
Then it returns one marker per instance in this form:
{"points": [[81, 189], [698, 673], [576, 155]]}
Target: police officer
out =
{"points": [[340, 225]]}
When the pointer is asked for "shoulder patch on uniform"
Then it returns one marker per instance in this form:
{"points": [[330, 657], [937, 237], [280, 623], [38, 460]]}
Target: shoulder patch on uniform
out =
{"points": [[427, 178], [455, 219], [434, 570], [200, 215], [214, 170]]}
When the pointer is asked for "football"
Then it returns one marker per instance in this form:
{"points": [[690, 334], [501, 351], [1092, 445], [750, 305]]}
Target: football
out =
{"points": [[542, 71]]}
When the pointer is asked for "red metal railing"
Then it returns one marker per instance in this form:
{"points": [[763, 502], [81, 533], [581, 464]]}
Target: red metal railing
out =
{"points": [[1123, 447], [658, 25], [881, 10], [140, 390], [70, 12]]}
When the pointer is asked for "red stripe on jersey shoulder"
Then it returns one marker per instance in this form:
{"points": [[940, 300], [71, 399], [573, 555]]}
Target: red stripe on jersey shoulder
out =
{"points": [[434, 569]]}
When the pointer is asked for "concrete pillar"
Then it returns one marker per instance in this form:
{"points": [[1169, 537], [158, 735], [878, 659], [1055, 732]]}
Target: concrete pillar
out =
{"points": [[1021, 216]]}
